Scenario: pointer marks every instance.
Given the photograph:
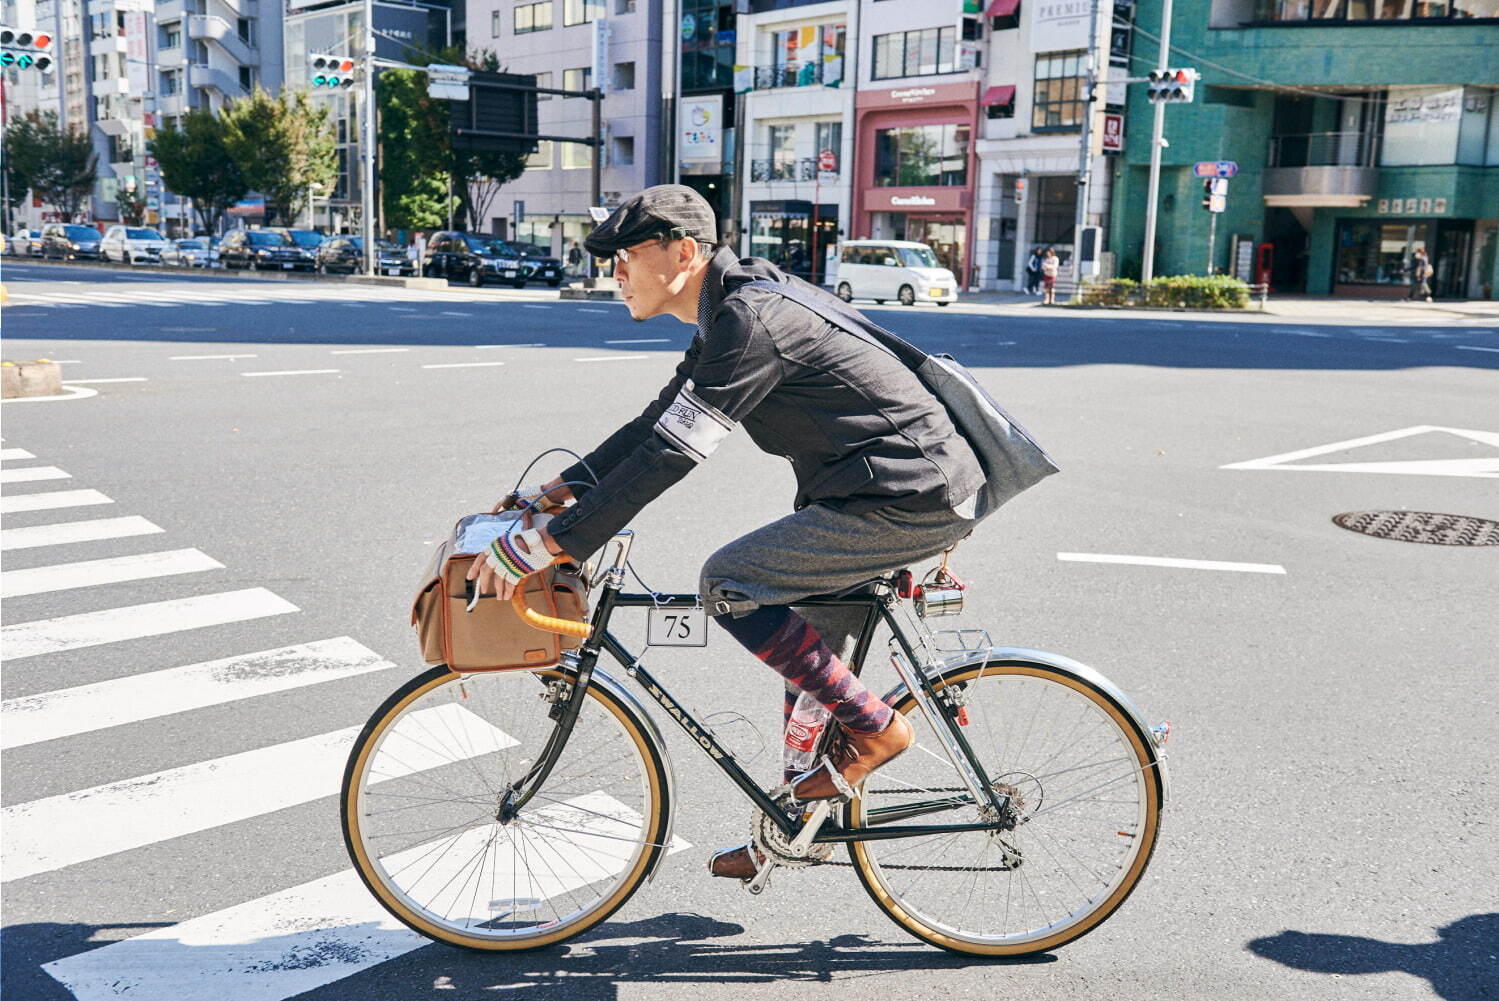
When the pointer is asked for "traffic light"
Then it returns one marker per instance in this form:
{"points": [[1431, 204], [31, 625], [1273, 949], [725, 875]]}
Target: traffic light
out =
{"points": [[1172, 86], [331, 72], [25, 50]]}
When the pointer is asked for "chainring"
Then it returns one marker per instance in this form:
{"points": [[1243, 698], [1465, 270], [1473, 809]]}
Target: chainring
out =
{"points": [[773, 843]]}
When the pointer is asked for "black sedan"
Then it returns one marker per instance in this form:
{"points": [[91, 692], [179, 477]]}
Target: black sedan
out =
{"points": [[262, 250], [536, 264], [345, 255], [67, 242]]}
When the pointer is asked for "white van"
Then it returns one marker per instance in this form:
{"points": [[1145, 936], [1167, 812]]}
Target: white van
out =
{"points": [[893, 269]]}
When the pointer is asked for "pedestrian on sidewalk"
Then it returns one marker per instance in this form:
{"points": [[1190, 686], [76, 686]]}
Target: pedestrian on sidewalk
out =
{"points": [[1050, 265], [1033, 272], [574, 259], [1420, 271]]}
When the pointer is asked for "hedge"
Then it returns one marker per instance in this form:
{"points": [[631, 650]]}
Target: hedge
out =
{"points": [[1171, 291]]}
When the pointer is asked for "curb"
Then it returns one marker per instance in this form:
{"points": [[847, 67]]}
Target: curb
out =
{"points": [[430, 284]]}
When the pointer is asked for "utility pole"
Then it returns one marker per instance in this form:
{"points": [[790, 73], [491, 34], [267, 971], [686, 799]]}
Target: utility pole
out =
{"points": [[368, 143], [1147, 259], [1084, 156]]}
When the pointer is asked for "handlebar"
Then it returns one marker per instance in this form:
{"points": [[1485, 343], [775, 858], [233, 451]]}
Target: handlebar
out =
{"points": [[547, 623]]}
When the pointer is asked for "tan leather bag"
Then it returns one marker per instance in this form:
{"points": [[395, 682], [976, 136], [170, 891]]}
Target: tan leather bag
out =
{"points": [[492, 637]]}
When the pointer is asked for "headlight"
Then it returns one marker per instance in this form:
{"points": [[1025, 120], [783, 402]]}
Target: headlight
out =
{"points": [[263, 253]]}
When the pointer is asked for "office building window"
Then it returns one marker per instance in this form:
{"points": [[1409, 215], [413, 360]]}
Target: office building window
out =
{"points": [[542, 158], [533, 17], [622, 151], [171, 38], [624, 6], [1057, 105], [494, 24], [1374, 11], [581, 11], [578, 79], [915, 53], [576, 156], [921, 156], [544, 80], [623, 77], [246, 30], [246, 78]]}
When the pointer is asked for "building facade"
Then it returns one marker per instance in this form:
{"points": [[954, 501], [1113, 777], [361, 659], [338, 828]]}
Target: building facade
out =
{"points": [[1362, 131], [795, 103], [577, 45]]}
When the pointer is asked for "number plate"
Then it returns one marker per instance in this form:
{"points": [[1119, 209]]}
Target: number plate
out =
{"points": [[392, 271], [287, 267], [676, 627], [938, 293]]}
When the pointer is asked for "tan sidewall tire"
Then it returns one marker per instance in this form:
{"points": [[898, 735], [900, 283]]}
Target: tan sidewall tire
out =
{"points": [[394, 706], [863, 865]]}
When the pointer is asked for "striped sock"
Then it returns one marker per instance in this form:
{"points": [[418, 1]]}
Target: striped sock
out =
{"points": [[789, 644]]}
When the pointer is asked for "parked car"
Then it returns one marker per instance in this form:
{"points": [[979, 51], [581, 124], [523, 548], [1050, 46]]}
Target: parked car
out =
{"points": [[132, 245], [345, 255], [537, 263], [188, 253], [26, 243], [262, 250], [66, 242], [893, 269], [473, 259], [307, 240]]}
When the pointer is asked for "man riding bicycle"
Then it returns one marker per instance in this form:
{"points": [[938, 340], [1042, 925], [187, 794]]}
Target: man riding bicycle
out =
{"points": [[883, 477]]}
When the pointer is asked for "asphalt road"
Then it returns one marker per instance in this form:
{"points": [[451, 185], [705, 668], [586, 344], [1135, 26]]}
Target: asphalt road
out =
{"points": [[1332, 827]]}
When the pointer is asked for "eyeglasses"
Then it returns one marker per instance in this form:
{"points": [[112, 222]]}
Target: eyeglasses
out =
{"points": [[622, 255]]}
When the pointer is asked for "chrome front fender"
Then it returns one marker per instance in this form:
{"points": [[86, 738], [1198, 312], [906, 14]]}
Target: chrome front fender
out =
{"points": [[1066, 665], [618, 690]]}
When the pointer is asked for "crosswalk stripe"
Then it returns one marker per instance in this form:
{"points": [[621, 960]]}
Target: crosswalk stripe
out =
{"points": [[48, 834], [113, 625], [278, 946], [51, 501], [92, 530], [68, 712], [115, 570], [14, 453], [33, 474]]}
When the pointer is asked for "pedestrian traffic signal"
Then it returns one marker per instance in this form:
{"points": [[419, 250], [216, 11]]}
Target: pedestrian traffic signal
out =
{"points": [[1173, 86], [330, 72], [25, 50]]}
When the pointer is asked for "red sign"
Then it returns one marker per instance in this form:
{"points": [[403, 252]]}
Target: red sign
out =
{"points": [[1113, 133], [827, 161]]}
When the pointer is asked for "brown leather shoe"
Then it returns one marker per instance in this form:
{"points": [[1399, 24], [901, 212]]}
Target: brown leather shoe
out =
{"points": [[860, 754], [736, 863]]}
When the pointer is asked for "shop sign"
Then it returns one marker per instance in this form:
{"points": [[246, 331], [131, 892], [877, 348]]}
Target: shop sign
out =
{"points": [[1113, 133], [1060, 24], [689, 26], [912, 95], [702, 129], [1421, 126], [918, 201], [1412, 206], [1019, 190], [135, 51]]}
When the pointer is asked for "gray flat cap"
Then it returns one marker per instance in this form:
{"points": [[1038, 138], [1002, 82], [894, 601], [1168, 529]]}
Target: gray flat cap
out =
{"points": [[669, 210]]}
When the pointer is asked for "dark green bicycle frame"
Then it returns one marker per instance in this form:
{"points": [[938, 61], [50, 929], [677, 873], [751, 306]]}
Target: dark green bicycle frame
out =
{"points": [[882, 823]]}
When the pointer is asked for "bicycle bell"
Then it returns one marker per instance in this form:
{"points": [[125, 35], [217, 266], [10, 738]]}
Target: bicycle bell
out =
{"points": [[940, 593]]}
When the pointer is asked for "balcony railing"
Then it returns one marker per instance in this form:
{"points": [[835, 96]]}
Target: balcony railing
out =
{"points": [[1324, 149], [799, 73], [804, 169]]}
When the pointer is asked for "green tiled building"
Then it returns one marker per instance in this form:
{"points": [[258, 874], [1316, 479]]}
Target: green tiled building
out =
{"points": [[1362, 129]]}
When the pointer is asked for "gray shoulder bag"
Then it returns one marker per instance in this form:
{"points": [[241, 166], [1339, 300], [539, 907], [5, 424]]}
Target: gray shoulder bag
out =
{"points": [[1011, 459]]}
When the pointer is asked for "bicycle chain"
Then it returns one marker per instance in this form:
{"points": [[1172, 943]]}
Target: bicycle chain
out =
{"points": [[924, 868]]}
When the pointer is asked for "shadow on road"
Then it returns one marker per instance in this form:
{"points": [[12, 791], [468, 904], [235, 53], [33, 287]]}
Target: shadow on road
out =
{"points": [[1462, 965]]}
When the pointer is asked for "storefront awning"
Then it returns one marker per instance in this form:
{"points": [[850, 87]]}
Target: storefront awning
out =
{"points": [[1002, 8], [999, 95]]}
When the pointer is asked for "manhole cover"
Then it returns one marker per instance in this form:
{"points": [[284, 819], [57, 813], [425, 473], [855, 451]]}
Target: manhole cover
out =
{"points": [[1422, 526]]}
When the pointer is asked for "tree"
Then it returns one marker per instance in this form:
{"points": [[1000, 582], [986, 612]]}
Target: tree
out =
{"points": [[132, 208], [57, 164], [282, 145], [417, 143], [195, 163], [413, 190]]}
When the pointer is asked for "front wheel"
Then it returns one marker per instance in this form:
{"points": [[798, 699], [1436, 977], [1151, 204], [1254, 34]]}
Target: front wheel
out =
{"points": [[425, 823], [907, 295], [1082, 818], [845, 292], [475, 278]]}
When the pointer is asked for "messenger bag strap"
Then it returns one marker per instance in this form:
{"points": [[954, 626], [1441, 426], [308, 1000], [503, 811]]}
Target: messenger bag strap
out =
{"points": [[836, 312]]}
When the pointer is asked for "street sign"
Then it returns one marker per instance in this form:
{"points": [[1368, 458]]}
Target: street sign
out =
{"points": [[1215, 168], [1019, 190], [518, 211], [827, 161], [448, 83], [1113, 133], [598, 214], [1217, 203]]}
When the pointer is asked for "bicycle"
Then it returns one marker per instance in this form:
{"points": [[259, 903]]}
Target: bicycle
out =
{"points": [[490, 820]]}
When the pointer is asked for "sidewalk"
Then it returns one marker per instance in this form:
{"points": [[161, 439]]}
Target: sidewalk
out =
{"points": [[1316, 308]]}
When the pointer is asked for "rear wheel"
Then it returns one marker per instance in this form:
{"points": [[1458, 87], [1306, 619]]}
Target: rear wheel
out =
{"points": [[1083, 815], [475, 278], [845, 292], [907, 295], [554, 282], [424, 817]]}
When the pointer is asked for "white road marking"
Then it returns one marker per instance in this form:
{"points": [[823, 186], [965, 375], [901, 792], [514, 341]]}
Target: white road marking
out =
{"points": [[448, 312], [1485, 468], [401, 309], [68, 712], [208, 357], [530, 306], [586, 309], [490, 347], [113, 625], [100, 382], [67, 361], [289, 942], [51, 501], [1162, 561], [114, 570], [7, 454], [466, 364], [612, 358], [1388, 340], [68, 393], [299, 371], [641, 340], [33, 474], [76, 531], [369, 351], [48, 834], [1304, 333], [1474, 347]]}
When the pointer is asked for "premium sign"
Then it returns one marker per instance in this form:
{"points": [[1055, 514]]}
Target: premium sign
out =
{"points": [[1061, 24]]}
